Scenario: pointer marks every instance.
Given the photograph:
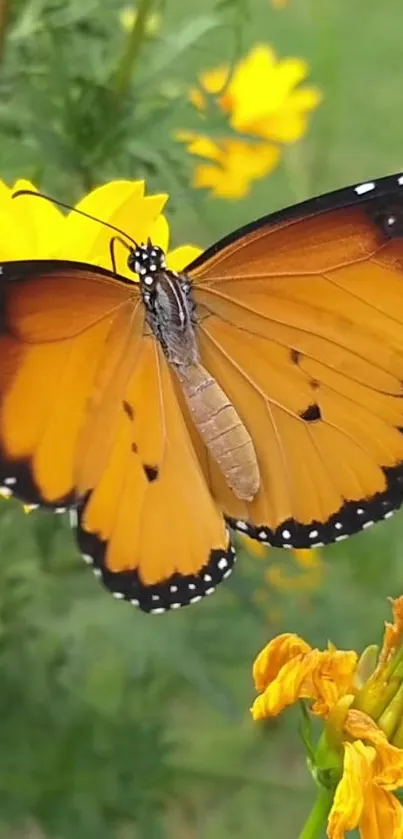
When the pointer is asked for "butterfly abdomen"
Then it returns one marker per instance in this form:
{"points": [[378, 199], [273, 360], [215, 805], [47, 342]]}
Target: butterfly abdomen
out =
{"points": [[221, 429], [170, 311]]}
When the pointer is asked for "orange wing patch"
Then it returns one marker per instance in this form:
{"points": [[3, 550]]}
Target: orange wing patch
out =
{"points": [[150, 526], [57, 334], [301, 323]]}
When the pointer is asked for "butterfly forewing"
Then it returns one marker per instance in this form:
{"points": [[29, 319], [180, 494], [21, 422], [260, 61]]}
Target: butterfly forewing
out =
{"points": [[57, 322], [302, 327]]}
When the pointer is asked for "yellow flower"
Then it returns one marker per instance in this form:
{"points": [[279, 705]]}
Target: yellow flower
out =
{"points": [[33, 228], [363, 746], [261, 99], [307, 561], [234, 163]]}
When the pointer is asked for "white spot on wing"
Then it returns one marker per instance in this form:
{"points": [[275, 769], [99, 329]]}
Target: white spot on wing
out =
{"points": [[361, 189]]}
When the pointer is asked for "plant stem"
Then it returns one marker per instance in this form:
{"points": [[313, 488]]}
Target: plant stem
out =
{"points": [[5, 7], [125, 68], [315, 825]]}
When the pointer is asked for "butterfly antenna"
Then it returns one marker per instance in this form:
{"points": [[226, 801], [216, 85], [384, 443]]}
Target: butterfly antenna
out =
{"points": [[73, 210]]}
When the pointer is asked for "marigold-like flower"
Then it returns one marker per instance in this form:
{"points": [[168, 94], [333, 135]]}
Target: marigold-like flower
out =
{"points": [[261, 98], [363, 747]]}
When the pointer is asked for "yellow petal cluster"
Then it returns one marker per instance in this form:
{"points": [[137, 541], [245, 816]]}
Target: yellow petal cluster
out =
{"points": [[261, 99], [302, 574], [289, 669], [33, 228]]}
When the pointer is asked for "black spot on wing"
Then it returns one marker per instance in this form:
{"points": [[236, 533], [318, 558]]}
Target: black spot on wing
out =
{"points": [[134, 448], [312, 413], [151, 472], [172, 592], [295, 356], [128, 409], [387, 215]]}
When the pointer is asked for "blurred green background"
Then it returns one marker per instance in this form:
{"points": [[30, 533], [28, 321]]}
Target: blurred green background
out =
{"points": [[115, 723]]}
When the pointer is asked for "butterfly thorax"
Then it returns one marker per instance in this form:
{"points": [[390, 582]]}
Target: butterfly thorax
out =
{"points": [[167, 299]]}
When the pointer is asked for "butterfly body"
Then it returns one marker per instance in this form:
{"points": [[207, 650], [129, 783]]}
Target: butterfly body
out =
{"points": [[261, 388], [171, 315]]}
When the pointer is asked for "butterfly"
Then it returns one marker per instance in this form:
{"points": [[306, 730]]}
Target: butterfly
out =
{"points": [[260, 390]]}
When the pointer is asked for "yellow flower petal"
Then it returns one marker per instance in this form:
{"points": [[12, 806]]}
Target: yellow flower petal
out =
{"points": [[289, 124], [181, 257], [388, 770], [41, 217], [351, 792], [393, 634], [292, 683], [121, 203], [239, 163], [213, 81], [260, 87], [29, 225], [332, 679], [200, 145], [274, 655], [159, 233], [382, 816], [288, 670]]}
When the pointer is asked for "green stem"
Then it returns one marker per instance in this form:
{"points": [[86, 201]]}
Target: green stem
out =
{"points": [[5, 8], [316, 822], [124, 71]]}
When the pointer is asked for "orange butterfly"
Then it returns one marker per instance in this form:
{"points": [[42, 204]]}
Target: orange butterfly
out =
{"points": [[261, 389]]}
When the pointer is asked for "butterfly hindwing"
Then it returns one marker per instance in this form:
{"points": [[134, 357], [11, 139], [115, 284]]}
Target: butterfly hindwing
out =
{"points": [[150, 527]]}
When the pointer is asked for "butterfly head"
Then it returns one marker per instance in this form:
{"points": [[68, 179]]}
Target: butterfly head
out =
{"points": [[147, 260]]}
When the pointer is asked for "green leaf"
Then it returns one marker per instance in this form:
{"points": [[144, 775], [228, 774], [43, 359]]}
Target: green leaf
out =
{"points": [[177, 43]]}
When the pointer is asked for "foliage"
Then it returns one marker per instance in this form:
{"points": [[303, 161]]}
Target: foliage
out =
{"points": [[113, 721]]}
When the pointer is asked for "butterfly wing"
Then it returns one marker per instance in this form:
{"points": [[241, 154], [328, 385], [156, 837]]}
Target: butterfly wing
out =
{"points": [[63, 330], [89, 417], [150, 527], [300, 320]]}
